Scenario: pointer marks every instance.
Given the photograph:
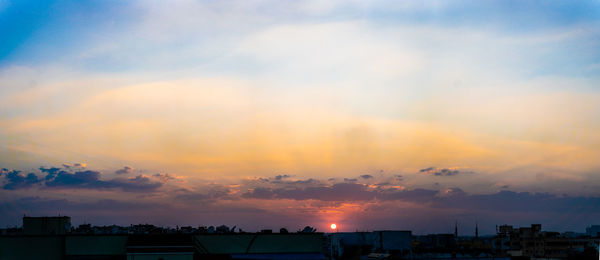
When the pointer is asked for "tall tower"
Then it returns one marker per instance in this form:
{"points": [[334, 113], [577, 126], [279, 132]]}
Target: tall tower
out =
{"points": [[455, 229], [476, 230]]}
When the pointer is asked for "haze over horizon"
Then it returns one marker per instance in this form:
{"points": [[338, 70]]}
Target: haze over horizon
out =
{"points": [[266, 114]]}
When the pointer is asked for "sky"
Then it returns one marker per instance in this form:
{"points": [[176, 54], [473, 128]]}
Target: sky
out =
{"points": [[410, 115]]}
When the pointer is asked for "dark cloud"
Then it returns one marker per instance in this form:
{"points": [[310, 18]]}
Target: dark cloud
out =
{"points": [[15, 180], [281, 181], [366, 176], [215, 193], [50, 172], [307, 181], [442, 171], [138, 183], [164, 177], [451, 198], [342, 192], [69, 166], [427, 169], [350, 179], [79, 179], [454, 191], [510, 201], [436, 204], [4, 171], [89, 179], [336, 192], [417, 195], [125, 170], [281, 177], [57, 178], [260, 193]]}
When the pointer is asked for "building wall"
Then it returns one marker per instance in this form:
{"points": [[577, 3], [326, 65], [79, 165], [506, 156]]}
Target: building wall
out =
{"points": [[83, 245], [46, 225], [32, 247], [386, 241]]}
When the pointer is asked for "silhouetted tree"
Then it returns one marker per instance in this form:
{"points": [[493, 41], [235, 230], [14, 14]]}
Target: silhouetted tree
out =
{"points": [[283, 231], [222, 229], [308, 229]]}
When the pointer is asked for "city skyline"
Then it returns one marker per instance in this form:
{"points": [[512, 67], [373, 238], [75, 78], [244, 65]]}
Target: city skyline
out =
{"points": [[267, 114]]}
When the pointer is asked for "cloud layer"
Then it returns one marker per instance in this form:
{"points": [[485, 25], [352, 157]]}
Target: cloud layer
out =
{"points": [[379, 200], [66, 178]]}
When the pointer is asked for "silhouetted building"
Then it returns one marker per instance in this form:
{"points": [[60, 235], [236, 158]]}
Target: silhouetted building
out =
{"points": [[344, 245], [161, 246], [164, 246], [52, 238], [593, 231], [46, 225], [532, 242]]}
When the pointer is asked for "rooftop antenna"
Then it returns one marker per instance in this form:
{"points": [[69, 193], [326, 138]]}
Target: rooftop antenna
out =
{"points": [[455, 229]]}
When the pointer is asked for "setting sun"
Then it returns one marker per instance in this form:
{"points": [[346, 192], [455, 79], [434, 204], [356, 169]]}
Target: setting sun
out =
{"points": [[333, 226]]}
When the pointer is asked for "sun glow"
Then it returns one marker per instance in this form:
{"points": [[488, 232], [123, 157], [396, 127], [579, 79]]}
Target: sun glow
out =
{"points": [[333, 226]]}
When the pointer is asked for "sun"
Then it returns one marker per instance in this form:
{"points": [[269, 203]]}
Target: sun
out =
{"points": [[333, 226]]}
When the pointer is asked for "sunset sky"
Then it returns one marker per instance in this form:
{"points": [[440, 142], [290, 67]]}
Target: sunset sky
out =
{"points": [[267, 114]]}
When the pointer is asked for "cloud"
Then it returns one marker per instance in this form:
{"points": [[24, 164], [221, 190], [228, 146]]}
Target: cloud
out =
{"points": [[50, 172], [442, 171], [82, 165], [76, 180], [260, 193], [125, 170], [137, 183], [450, 198], [216, 192], [90, 179], [427, 169], [417, 195], [285, 180], [386, 198], [336, 192], [366, 176], [164, 177], [510, 201], [15, 180], [78, 165], [280, 177]]}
